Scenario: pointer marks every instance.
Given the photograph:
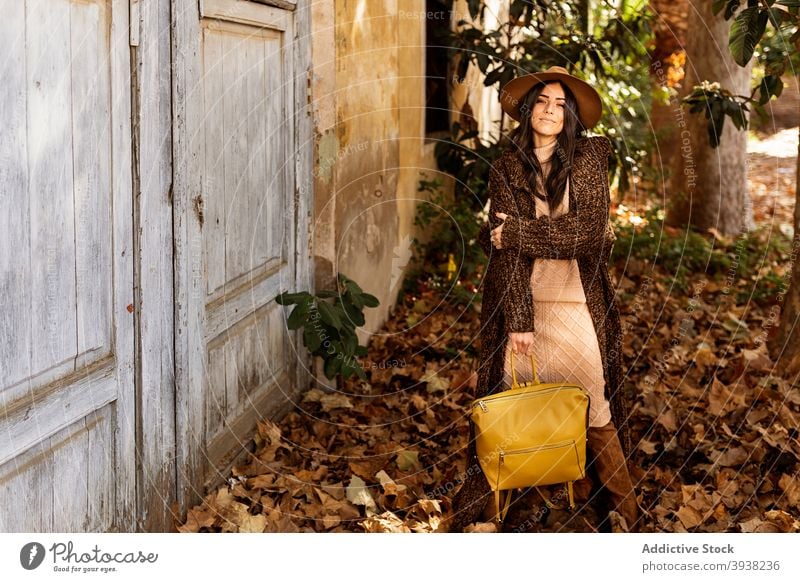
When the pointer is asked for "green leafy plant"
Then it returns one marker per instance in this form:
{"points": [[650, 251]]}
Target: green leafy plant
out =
{"points": [[716, 103], [606, 43], [776, 49], [681, 255], [329, 320], [450, 259], [749, 264]]}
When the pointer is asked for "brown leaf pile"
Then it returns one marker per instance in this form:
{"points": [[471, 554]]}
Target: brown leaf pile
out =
{"points": [[370, 459], [716, 426], [717, 429]]}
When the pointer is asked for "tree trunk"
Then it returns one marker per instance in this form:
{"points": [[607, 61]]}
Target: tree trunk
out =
{"points": [[669, 28], [784, 346], [708, 187]]}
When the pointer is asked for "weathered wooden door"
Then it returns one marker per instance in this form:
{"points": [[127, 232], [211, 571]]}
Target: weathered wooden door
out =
{"points": [[67, 446], [239, 214]]}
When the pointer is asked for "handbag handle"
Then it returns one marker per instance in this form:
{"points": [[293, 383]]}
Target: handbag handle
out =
{"points": [[514, 372]]}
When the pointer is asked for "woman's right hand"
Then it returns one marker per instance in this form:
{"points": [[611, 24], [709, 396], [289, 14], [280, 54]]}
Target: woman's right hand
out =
{"points": [[521, 342]]}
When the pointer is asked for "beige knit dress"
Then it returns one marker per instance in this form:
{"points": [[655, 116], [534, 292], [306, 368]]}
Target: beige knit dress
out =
{"points": [[565, 346]]}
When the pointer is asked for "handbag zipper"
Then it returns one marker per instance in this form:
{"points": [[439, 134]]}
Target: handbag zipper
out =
{"points": [[537, 448], [482, 403]]}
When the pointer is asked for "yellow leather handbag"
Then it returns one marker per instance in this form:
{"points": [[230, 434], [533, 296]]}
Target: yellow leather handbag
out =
{"points": [[533, 434]]}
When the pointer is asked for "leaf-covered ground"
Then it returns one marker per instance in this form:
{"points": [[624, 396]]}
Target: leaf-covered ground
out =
{"points": [[717, 429]]}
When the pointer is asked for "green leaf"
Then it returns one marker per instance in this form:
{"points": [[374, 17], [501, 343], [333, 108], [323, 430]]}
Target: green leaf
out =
{"points": [[731, 8], [595, 57], [350, 343], [746, 32], [483, 60], [355, 315], [492, 77], [474, 7], [776, 17], [329, 314], [463, 65], [370, 300], [738, 116], [515, 11], [286, 298], [348, 370], [355, 300], [298, 316], [312, 339], [351, 285], [333, 365], [508, 74], [765, 89]]}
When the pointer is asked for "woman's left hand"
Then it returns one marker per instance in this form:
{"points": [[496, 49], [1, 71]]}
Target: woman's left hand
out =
{"points": [[498, 232]]}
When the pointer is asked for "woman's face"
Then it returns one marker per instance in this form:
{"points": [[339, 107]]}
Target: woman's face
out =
{"points": [[547, 118]]}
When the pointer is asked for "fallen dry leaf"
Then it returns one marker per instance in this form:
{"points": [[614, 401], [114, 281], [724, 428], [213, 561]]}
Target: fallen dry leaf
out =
{"points": [[358, 494], [791, 489]]}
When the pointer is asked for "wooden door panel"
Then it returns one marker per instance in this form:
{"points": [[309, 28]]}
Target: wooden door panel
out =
{"points": [[243, 149], [250, 356], [80, 460], [51, 212], [245, 184], [248, 213], [66, 339]]}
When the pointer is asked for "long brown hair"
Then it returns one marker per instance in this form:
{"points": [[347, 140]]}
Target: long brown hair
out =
{"points": [[561, 163]]}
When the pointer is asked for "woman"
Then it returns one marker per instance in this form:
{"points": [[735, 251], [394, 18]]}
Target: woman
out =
{"points": [[547, 290]]}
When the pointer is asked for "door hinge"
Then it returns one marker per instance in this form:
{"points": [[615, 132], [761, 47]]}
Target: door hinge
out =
{"points": [[134, 22]]}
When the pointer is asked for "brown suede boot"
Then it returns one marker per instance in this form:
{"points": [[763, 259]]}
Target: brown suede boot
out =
{"points": [[474, 500], [612, 471], [582, 490]]}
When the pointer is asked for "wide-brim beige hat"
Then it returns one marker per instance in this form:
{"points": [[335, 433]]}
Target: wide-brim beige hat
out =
{"points": [[590, 106]]}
